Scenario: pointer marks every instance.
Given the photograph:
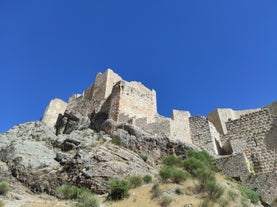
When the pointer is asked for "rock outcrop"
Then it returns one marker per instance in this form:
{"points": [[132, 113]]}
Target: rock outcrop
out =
{"points": [[43, 161]]}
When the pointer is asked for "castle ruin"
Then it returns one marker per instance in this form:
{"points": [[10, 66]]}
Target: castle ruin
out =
{"points": [[244, 142]]}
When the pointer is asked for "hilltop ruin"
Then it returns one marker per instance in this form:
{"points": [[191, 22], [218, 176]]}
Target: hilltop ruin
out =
{"points": [[244, 142]]}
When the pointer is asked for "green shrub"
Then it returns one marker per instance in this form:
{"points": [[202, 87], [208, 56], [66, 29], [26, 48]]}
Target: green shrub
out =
{"points": [[203, 156], [179, 191], [147, 179], [165, 201], [156, 191], [204, 176], [172, 160], [178, 175], [251, 194], [166, 173], [119, 189], [4, 188], [88, 200], [69, 191], [192, 165], [144, 157], [173, 174], [135, 181]]}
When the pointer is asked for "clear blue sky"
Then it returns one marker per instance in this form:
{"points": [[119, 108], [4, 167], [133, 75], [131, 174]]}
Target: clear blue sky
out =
{"points": [[198, 55]]}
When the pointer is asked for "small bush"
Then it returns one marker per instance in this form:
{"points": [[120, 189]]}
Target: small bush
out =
{"points": [[156, 191], [144, 157], [204, 176], [172, 161], [135, 181], [179, 191], [88, 200], [119, 189], [4, 188], [251, 194], [2, 203], [147, 179], [173, 174], [203, 156], [69, 191], [166, 173], [178, 175], [165, 201], [192, 165]]}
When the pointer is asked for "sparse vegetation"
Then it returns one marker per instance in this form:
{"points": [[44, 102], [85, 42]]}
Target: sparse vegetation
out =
{"points": [[85, 197], [69, 191], [4, 188], [172, 161], [250, 194], [87, 200], [172, 173], [135, 181], [119, 189], [147, 179]]}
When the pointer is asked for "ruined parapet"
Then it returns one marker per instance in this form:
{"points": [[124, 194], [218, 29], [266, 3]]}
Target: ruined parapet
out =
{"points": [[220, 116], [179, 126], [204, 135], [131, 100], [103, 85], [52, 111]]}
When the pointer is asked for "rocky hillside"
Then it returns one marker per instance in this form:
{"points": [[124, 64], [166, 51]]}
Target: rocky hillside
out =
{"points": [[35, 161]]}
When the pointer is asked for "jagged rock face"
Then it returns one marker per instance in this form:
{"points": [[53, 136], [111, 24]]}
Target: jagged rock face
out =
{"points": [[42, 161]]}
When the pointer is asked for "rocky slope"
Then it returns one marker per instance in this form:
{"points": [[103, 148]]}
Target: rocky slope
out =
{"points": [[32, 154]]}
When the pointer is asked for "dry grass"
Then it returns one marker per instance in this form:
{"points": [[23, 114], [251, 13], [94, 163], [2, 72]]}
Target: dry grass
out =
{"points": [[142, 196]]}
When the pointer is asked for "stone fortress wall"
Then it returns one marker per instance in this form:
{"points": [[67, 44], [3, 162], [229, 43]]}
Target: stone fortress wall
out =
{"points": [[245, 138]]}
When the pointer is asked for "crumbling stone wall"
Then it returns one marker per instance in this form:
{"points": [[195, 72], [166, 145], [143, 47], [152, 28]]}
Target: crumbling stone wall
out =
{"points": [[253, 128], [204, 134], [136, 101], [103, 85]]}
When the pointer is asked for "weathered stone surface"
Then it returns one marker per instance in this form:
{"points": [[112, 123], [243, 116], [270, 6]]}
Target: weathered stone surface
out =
{"points": [[54, 108], [39, 159], [141, 142]]}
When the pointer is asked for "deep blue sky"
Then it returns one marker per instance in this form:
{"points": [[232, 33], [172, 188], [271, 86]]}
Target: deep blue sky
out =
{"points": [[198, 55]]}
